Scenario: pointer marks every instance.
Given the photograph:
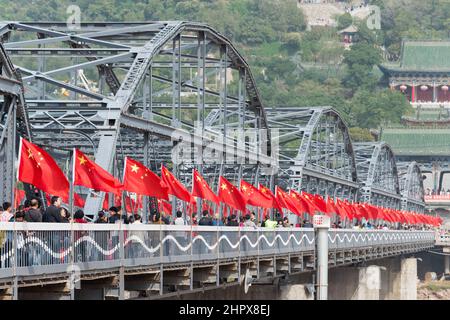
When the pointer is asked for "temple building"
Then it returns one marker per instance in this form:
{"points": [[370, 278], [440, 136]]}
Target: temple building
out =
{"points": [[422, 73]]}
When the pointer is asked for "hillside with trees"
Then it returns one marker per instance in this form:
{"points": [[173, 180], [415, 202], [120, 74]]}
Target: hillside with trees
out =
{"points": [[293, 65]]}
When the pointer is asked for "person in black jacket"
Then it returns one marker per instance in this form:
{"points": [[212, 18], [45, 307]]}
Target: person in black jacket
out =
{"points": [[206, 219], [34, 214], [53, 212]]}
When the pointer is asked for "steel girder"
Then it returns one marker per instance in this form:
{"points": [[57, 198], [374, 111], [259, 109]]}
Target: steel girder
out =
{"points": [[411, 186], [13, 120], [377, 173], [315, 151], [144, 88]]}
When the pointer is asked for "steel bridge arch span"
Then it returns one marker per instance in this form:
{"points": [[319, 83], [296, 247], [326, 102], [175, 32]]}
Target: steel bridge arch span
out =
{"points": [[411, 186], [315, 151], [156, 84], [378, 174], [14, 123]]}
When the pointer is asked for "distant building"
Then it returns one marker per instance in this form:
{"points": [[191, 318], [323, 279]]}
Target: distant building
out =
{"points": [[422, 73], [349, 35]]}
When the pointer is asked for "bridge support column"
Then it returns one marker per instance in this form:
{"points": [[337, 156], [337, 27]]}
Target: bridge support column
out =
{"points": [[399, 282], [446, 264], [355, 283]]}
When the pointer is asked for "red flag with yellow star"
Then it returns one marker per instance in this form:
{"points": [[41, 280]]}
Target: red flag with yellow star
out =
{"points": [[201, 189], [266, 191], [176, 188], [286, 201], [90, 175], [254, 197], [38, 168], [231, 195], [139, 179]]}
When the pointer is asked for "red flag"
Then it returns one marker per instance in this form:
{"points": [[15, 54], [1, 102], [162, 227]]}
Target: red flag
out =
{"points": [[296, 198], [38, 168], [286, 201], [254, 197], [201, 189], [231, 195], [320, 203], [165, 206], [19, 195], [174, 186], [139, 179], [266, 191], [78, 200], [89, 174], [309, 203]]}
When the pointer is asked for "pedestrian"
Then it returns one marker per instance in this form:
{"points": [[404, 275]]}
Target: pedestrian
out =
{"points": [[53, 212], [217, 221], [248, 221], [206, 219], [114, 216], [34, 214], [101, 217], [165, 219], [307, 224], [65, 215], [6, 215], [78, 217], [179, 221], [232, 221], [286, 223]]}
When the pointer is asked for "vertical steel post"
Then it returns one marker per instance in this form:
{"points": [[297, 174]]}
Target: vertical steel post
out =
{"points": [[321, 226]]}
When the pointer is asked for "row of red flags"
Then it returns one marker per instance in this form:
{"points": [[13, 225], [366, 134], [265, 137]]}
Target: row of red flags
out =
{"points": [[38, 168]]}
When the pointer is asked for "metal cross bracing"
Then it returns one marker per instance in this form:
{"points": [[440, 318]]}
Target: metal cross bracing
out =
{"points": [[411, 186], [315, 151], [13, 123], [377, 173], [139, 89]]}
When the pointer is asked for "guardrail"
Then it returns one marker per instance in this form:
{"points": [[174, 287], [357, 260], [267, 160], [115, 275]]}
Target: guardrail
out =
{"points": [[43, 248], [344, 239], [47, 248]]}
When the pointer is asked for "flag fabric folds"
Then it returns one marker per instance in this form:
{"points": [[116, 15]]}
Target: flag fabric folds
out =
{"points": [[89, 174], [231, 195], [139, 179], [201, 189], [175, 187], [266, 191], [38, 168], [286, 201], [255, 197]]}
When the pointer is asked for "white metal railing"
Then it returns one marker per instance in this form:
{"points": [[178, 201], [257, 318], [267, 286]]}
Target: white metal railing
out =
{"points": [[51, 248], [343, 238], [44, 247]]}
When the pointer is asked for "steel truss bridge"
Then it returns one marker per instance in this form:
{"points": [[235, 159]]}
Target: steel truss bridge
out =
{"points": [[158, 261], [177, 93]]}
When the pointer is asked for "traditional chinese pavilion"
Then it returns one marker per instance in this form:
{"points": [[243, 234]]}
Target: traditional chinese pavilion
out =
{"points": [[422, 73]]}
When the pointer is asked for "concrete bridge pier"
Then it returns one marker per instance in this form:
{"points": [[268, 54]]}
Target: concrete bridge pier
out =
{"points": [[388, 279]]}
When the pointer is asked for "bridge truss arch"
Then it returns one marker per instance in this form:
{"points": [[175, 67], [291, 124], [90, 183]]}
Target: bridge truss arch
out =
{"points": [[315, 151], [411, 186], [13, 124], [139, 89], [378, 174]]}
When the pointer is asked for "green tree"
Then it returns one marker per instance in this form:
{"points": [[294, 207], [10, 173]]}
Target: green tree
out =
{"points": [[361, 60], [345, 20]]}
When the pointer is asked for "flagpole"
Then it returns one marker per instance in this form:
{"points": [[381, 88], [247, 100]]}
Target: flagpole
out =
{"points": [[71, 187]]}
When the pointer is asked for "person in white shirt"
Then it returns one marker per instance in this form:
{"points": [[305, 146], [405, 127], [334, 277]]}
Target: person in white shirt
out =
{"points": [[179, 221], [6, 215]]}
